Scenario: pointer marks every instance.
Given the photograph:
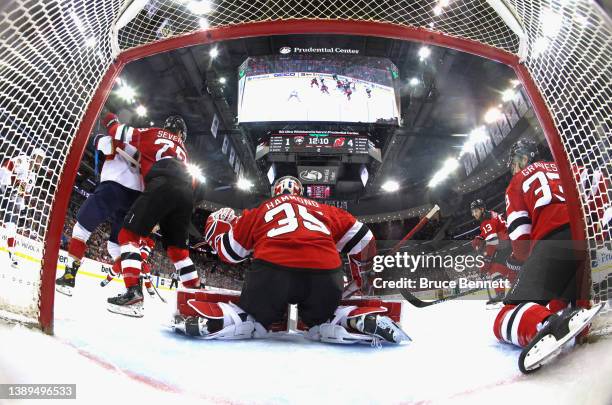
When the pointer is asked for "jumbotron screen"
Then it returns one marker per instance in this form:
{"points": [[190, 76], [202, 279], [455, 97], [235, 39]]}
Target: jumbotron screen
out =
{"points": [[319, 88]]}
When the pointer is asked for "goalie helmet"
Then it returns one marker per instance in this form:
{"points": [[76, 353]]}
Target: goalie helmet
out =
{"points": [[176, 124], [287, 185], [479, 203], [523, 147]]}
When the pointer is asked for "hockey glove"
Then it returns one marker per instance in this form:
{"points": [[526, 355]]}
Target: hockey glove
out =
{"points": [[478, 243]]}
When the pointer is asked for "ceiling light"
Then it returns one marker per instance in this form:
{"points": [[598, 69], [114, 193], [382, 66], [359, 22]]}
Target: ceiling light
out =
{"points": [[214, 52], [493, 115], [141, 111], [390, 186], [196, 172], [508, 95], [424, 52], [222, 80], [244, 184], [414, 81], [126, 93], [199, 7]]}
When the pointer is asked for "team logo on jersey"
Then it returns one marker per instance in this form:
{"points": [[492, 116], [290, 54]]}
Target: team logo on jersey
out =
{"points": [[298, 140], [339, 142], [311, 175], [285, 50]]}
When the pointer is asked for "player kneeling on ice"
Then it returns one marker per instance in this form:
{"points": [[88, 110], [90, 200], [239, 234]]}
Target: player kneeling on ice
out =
{"points": [[539, 314], [295, 244]]}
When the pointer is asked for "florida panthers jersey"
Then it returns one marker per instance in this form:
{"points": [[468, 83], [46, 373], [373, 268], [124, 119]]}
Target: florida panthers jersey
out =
{"points": [[293, 232], [535, 205], [116, 168], [18, 173], [492, 231], [154, 144], [596, 189]]}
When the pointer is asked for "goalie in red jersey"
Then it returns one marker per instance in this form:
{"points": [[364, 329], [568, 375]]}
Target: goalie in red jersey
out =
{"points": [[494, 244], [536, 315], [167, 200], [295, 244]]}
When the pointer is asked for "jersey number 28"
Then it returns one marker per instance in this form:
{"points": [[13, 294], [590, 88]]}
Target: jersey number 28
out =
{"points": [[290, 221]]}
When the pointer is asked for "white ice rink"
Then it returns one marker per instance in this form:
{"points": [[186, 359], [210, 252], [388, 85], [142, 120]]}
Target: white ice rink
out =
{"points": [[454, 358], [269, 100]]}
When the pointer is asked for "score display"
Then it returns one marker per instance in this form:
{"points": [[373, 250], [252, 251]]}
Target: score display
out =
{"points": [[319, 142]]}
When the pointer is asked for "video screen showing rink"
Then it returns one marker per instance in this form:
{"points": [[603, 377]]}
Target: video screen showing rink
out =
{"points": [[333, 88]]}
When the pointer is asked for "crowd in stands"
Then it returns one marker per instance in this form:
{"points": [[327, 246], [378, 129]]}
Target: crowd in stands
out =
{"points": [[373, 70]]}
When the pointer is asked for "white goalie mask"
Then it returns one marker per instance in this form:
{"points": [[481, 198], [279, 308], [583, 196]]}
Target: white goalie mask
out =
{"points": [[287, 185]]}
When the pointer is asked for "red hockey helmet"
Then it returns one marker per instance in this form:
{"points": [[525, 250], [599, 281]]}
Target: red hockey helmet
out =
{"points": [[287, 185]]}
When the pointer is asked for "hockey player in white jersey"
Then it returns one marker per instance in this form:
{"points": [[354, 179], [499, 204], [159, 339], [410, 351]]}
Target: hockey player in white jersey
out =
{"points": [[17, 180], [120, 185]]}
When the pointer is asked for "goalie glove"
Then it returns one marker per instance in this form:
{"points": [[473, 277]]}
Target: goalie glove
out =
{"points": [[218, 223], [513, 264]]}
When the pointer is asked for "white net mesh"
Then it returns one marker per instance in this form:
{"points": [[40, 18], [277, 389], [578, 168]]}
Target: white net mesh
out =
{"points": [[55, 53]]}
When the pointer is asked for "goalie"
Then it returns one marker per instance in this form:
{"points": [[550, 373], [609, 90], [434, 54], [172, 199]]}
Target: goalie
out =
{"points": [[295, 244]]}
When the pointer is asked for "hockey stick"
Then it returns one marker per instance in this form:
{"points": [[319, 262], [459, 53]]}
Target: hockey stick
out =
{"points": [[127, 157], [157, 292], [411, 298]]}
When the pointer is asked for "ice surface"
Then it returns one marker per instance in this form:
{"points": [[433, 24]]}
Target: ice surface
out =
{"points": [[454, 359]]}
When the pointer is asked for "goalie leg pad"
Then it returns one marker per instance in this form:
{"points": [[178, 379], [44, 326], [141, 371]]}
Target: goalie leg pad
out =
{"points": [[336, 331], [224, 321]]}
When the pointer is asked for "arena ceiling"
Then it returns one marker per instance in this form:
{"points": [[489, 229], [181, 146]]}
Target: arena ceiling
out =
{"points": [[454, 91]]}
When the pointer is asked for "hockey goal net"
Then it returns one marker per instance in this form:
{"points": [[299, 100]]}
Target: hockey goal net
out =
{"points": [[59, 60]]}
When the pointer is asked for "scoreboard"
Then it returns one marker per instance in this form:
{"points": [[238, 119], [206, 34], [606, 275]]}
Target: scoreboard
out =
{"points": [[330, 142]]}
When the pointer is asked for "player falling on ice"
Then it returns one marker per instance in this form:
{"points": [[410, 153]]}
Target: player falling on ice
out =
{"points": [[493, 243], [294, 95], [295, 244], [536, 315], [167, 200], [17, 181], [120, 185]]}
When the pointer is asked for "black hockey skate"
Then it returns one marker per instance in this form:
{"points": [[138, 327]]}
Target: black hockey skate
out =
{"points": [[128, 303], [383, 327], [556, 333], [66, 282]]}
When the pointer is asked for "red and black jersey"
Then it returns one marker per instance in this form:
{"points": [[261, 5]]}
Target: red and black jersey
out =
{"points": [[535, 205], [293, 232], [154, 144], [492, 231]]}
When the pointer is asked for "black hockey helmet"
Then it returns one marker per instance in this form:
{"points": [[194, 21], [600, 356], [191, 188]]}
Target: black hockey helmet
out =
{"points": [[479, 203], [523, 147], [176, 124]]}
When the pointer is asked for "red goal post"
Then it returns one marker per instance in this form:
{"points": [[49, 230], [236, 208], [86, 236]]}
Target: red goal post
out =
{"points": [[61, 58]]}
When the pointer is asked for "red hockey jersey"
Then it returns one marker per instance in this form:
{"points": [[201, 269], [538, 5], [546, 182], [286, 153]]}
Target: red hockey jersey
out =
{"points": [[535, 205], [293, 232], [492, 231], [154, 144]]}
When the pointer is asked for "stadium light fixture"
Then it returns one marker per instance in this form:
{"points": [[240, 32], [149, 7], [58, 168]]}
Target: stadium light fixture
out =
{"points": [[203, 22], [424, 53], [200, 7], [450, 165], [151, 123], [126, 93], [508, 95], [390, 186], [141, 111], [414, 81], [196, 172], [551, 22], [214, 52], [492, 115], [244, 184], [222, 80]]}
